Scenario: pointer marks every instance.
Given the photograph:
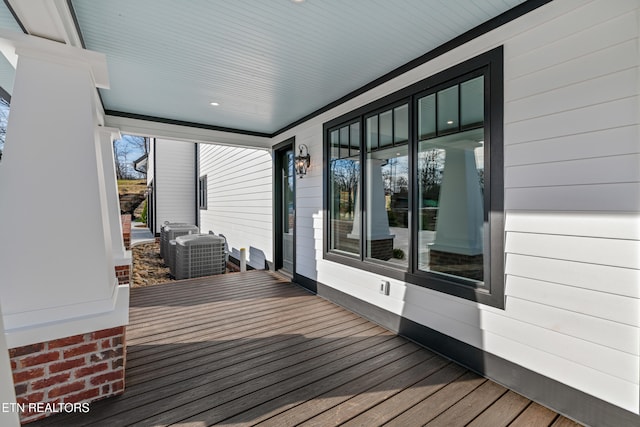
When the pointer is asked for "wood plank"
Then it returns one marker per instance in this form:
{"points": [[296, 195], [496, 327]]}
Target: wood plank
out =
{"points": [[407, 398], [564, 422], [206, 345], [439, 401], [226, 384], [186, 327], [470, 406], [284, 357], [244, 394], [534, 415], [336, 384], [340, 407], [235, 359], [281, 338], [502, 412]]}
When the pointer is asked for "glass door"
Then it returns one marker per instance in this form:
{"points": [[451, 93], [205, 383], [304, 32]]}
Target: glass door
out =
{"points": [[288, 210], [285, 208]]}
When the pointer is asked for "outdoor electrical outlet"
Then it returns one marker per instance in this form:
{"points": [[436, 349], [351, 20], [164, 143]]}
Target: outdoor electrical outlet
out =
{"points": [[384, 287]]}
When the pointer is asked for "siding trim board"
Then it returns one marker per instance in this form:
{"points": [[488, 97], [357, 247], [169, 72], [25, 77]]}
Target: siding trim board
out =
{"points": [[560, 397]]}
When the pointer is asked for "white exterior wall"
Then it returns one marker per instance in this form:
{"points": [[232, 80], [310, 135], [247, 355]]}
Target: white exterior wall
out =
{"points": [[173, 166], [572, 202], [239, 199]]}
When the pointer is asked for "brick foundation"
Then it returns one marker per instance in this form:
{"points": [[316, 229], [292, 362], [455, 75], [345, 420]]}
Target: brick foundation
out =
{"points": [[76, 369], [469, 266], [125, 220], [123, 273], [381, 249]]}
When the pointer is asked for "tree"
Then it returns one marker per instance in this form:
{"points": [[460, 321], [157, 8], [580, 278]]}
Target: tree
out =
{"points": [[346, 174], [4, 117], [125, 151]]}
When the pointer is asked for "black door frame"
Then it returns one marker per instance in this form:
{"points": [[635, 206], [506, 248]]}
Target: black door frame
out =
{"points": [[278, 149]]}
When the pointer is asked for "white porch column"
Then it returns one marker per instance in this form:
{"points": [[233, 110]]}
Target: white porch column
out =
{"points": [[377, 219], [460, 212], [57, 274], [8, 418], [107, 135]]}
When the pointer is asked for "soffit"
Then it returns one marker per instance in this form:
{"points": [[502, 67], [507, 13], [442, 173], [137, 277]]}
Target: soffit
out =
{"points": [[267, 63]]}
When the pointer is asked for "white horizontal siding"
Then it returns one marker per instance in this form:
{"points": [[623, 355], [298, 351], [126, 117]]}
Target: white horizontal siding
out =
{"points": [[175, 182], [239, 199], [572, 200]]}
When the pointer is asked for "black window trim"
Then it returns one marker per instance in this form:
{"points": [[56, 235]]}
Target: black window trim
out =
{"points": [[491, 292]]}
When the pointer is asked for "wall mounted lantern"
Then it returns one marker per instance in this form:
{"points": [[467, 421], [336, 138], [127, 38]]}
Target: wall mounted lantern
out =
{"points": [[303, 159]]}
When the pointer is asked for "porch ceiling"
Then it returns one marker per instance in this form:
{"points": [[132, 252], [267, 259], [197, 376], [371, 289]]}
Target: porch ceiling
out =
{"points": [[266, 63]]}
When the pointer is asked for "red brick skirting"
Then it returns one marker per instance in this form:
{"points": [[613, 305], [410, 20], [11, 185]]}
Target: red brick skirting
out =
{"points": [[76, 369], [123, 273], [126, 230]]}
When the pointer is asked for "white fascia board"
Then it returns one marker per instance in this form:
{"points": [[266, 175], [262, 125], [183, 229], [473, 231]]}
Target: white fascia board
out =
{"points": [[134, 126]]}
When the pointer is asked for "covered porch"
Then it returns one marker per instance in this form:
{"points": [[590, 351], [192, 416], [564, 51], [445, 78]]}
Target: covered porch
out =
{"points": [[253, 348]]}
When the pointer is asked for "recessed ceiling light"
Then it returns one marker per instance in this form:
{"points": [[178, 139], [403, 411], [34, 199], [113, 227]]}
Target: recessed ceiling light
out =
{"points": [[450, 122], [297, 1], [215, 104]]}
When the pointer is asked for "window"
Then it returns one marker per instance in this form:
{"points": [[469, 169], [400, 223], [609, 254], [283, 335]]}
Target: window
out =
{"points": [[202, 192], [417, 194]]}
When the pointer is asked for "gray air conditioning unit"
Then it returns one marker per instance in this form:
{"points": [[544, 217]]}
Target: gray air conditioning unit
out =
{"points": [[170, 233], [199, 255], [164, 241]]}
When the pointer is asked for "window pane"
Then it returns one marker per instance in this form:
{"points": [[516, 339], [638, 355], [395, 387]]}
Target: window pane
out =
{"points": [[401, 124], [344, 142], [472, 102], [427, 117], [451, 217], [372, 133], [386, 129], [344, 233], [335, 144], [448, 110], [354, 140], [387, 200]]}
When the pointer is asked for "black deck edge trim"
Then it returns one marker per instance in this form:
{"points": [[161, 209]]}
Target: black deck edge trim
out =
{"points": [[561, 398]]}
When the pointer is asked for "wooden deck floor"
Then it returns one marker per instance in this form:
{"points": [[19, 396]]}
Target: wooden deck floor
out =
{"points": [[254, 349]]}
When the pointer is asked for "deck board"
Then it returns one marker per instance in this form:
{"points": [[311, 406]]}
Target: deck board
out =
{"points": [[251, 348]]}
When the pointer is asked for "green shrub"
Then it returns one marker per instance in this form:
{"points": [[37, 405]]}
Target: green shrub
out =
{"points": [[398, 253], [143, 215]]}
